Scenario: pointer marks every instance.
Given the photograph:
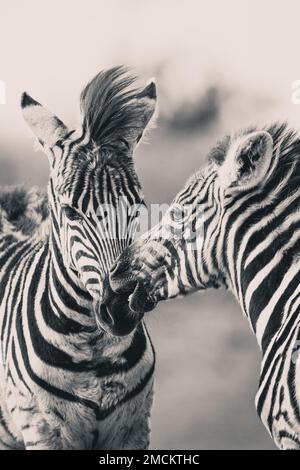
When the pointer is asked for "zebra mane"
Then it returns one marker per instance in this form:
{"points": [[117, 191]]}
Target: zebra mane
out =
{"points": [[23, 212], [109, 106], [287, 142]]}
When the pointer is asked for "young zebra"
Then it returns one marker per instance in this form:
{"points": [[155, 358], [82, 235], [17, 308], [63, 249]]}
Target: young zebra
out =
{"points": [[66, 382], [240, 228]]}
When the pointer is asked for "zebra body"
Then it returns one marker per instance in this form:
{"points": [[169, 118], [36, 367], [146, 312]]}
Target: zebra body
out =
{"points": [[244, 212], [67, 382]]}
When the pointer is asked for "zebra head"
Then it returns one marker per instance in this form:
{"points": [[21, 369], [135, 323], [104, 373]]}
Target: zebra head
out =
{"points": [[194, 245], [94, 192]]}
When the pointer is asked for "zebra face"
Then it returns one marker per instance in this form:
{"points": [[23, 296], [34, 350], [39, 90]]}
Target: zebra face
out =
{"points": [[184, 253], [94, 193], [95, 228]]}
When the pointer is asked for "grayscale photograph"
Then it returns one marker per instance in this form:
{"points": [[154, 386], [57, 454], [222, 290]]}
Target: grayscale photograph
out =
{"points": [[149, 224]]}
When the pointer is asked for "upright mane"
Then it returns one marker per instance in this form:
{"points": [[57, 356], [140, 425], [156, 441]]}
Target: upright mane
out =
{"points": [[109, 106]]}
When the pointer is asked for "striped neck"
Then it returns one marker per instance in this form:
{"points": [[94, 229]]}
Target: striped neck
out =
{"points": [[260, 254]]}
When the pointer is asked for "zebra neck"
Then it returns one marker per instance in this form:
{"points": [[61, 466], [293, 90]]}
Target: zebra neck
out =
{"points": [[267, 279]]}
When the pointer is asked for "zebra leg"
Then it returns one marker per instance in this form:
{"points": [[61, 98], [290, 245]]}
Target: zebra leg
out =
{"points": [[38, 435], [7, 439], [138, 434], [291, 443], [10, 438], [278, 410], [139, 438], [29, 423], [36, 432], [284, 437]]}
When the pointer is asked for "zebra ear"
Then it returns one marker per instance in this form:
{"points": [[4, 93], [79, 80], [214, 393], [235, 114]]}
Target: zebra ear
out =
{"points": [[46, 126], [146, 101], [248, 161]]}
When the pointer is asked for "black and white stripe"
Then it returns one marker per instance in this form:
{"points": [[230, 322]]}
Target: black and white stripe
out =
{"points": [[248, 201], [65, 380]]}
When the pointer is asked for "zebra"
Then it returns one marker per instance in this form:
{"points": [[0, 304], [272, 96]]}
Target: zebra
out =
{"points": [[71, 375], [239, 228]]}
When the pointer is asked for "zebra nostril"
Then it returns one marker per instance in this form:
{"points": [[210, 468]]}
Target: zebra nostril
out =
{"points": [[121, 280], [105, 315], [116, 270]]}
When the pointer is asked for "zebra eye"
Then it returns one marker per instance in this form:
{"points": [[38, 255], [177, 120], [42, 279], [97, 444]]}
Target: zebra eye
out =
{"points": [[71, 213], [102, 215]]}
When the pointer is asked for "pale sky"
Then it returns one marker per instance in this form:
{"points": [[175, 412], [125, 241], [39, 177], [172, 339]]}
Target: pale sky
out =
{"points": [[51, 48]]}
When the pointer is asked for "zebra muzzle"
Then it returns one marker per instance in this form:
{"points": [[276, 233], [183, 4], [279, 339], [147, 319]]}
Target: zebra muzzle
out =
{"points": [[139, 300], [123, 282], [114, 314]]}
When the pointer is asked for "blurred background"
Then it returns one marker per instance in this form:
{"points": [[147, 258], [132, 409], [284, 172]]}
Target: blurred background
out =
{"points": [[219, 66]]}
